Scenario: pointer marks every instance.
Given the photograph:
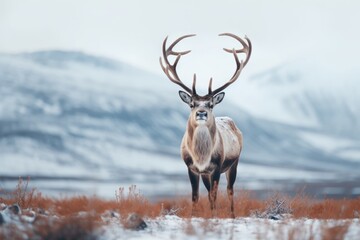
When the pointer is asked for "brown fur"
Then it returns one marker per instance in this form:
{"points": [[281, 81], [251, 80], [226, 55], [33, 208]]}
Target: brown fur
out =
{"points": [[202, 145]]}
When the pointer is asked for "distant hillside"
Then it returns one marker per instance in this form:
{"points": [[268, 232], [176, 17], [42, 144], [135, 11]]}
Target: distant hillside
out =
{"points": [[70, 115]]}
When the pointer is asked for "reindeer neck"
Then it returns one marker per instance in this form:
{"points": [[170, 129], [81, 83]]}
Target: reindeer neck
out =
{"points": [[200, 144], [201, 138]]}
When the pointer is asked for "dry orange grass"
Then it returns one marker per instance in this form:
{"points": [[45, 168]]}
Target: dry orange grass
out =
{"points": [[326, 208], [131, 201], [243, 203], [77, 217]]}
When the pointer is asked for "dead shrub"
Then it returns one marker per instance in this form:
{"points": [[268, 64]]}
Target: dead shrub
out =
{"points": [[134, 202], [277, 207], [21, 195]]}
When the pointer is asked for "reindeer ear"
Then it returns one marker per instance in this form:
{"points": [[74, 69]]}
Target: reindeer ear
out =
{"points": [[218, 98], [185, 97]]}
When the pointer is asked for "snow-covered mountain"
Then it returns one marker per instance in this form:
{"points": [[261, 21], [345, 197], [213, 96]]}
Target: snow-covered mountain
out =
{"points": [[324, 101], [75, 121], [306, 94]]}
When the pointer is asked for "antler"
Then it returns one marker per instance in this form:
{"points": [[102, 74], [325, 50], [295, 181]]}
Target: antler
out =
{"points": [[239, 65], [170, 69]]}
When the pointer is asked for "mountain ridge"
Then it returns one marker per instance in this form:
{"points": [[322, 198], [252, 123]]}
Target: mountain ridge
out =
{"points": [[68, 122]]}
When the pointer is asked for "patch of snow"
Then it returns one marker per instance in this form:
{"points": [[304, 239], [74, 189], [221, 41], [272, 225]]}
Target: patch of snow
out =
{"points": [[173, 227]]}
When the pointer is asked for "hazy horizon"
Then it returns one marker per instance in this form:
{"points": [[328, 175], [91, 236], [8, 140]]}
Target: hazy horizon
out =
{"points": [[132, 31]]}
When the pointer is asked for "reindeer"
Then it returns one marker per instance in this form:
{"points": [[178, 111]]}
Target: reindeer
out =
{"points": [[210, 145]]}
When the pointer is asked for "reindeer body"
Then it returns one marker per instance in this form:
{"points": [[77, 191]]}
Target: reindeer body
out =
{"points": [[209, 151], [203, 149], [210, 145]]}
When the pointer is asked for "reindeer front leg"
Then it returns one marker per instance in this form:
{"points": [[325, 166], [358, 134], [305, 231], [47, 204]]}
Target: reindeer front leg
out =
{"points": [[194, 179], [215, 177]]}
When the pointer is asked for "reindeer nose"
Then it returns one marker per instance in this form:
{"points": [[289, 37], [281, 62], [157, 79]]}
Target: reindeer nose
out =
{"points": [[201, 115]]}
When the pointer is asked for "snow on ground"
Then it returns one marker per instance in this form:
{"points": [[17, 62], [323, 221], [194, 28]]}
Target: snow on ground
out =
{"points": [[173, 227]]}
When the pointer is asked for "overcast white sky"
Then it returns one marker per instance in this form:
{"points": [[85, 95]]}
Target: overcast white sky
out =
{"points": [[133, 30]]}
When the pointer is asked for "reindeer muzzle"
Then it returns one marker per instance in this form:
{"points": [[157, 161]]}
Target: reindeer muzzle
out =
{"points": [[201, 115]]}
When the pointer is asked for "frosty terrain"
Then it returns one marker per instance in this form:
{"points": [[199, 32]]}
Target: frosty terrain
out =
{"points": [[174, 227]]}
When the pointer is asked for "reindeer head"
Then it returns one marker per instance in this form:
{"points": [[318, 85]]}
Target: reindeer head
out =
{"points": [[201, 106]]}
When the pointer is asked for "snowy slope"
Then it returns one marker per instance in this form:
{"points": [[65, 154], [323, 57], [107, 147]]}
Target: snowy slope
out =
{"points": [[322, 102], [305, 93], [67, 117]]}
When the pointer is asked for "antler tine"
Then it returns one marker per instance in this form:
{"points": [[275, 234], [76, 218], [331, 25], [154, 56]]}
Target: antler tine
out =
{"points": [[170, 69], [247, 47], [210, 85], [177, 41], [194, 85], [239, 65]]}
